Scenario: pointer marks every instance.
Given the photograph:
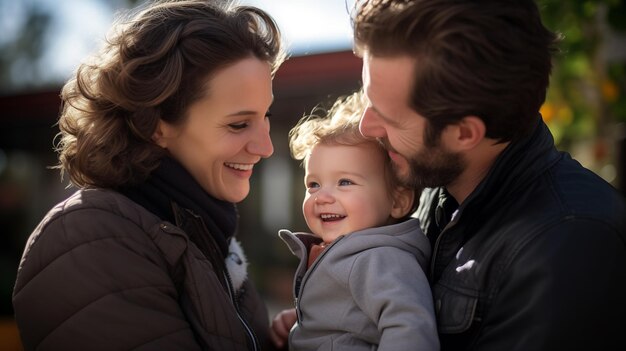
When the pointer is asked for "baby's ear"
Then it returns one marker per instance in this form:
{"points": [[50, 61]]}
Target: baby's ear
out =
{"points": [[403, 199]]}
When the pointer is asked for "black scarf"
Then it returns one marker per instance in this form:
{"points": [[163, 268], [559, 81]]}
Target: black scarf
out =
{"points": [[172, 183]]}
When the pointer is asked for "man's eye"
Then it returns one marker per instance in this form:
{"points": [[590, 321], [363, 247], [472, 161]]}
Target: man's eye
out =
{"points": [[238, 126], [345, 182], [268, 114]]}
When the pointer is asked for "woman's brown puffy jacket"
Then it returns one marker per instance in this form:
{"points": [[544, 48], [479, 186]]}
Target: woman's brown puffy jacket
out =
{"points": [[102, 273]]}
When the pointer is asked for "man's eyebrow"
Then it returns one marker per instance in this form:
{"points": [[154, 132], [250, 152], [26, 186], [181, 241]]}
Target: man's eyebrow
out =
{"points": [[381, 115]]}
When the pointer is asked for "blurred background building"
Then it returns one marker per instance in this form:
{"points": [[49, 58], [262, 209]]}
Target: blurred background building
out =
{"points": [[42, 42]]}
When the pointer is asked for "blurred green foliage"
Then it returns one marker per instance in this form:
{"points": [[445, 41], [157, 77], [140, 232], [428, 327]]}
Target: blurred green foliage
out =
{"points": [[587, 94]]}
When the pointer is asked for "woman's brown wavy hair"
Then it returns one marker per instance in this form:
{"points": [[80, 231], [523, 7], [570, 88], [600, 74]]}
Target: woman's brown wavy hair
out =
{"points": [[154, 64]]}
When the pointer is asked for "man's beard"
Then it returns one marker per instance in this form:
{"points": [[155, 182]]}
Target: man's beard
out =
{"points": [[432, 167]]}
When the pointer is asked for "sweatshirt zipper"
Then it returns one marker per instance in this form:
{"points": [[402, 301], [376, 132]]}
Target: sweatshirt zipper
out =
{"points": [[309, 271], [231, 294]]}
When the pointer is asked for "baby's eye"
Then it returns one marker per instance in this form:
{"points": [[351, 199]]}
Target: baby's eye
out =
{"points": [[238, 126], [312, 185], [345, 182]]}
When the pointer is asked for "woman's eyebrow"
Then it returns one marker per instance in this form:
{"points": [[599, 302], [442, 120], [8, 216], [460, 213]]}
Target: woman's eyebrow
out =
{"points": [[242, 113]]}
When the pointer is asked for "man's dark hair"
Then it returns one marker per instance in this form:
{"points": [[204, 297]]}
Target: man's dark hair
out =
{"points": [[487, 58]]}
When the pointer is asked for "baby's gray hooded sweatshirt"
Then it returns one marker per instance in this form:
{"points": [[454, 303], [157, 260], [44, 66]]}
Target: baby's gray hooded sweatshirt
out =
{"points": [[366, 291]]}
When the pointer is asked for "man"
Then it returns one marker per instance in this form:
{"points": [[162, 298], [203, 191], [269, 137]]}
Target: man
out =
{"points": [[528, 246]]}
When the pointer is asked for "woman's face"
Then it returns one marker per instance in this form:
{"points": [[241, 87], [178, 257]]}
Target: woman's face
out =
{"points": [[226, 132]]}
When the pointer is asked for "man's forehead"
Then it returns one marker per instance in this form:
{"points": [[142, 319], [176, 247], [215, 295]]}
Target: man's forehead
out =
{"points": [[387, 79]]}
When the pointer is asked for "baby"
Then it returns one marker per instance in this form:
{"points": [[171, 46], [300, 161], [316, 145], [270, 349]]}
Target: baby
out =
{"points": [[360, 284]]}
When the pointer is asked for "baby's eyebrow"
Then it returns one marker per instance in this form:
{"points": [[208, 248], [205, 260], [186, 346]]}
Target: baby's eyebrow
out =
{"points": [[352, 176]]}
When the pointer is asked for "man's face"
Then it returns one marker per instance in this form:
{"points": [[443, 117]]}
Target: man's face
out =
{"points": [[387, 83]]}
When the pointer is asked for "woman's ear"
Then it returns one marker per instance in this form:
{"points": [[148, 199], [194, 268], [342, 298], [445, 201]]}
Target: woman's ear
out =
{"points": [[161, 133], [403, 199]]}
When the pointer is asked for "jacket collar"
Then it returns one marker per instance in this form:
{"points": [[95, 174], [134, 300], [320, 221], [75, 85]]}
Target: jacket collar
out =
{"points": [[170, 191], [513, 172], [515, 169]]}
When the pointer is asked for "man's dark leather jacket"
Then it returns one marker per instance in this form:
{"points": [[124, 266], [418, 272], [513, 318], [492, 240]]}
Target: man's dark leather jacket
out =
{"points": [[534, 259]]}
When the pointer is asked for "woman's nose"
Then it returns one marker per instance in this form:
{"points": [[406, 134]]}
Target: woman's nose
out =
{"points": [[261, 144]]}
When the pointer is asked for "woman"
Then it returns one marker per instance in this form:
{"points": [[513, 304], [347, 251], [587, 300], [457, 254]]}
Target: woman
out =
{"points": [[160, 132]]}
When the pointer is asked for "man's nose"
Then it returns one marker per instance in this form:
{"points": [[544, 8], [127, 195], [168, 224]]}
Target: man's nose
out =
{"points": [[370, 125]]}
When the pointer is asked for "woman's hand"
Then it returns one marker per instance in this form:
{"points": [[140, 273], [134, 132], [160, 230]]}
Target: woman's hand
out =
{"points": [[281, 325]]}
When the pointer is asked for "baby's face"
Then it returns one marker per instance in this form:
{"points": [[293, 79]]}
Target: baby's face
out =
{"points": [[346, 190]]}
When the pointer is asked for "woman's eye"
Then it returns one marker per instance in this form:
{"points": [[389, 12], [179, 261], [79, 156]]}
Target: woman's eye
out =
{"points": [[238, 126], [345, 182]]}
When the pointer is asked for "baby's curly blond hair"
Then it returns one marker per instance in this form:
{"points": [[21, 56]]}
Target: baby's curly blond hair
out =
{"points": [[339, 125]]}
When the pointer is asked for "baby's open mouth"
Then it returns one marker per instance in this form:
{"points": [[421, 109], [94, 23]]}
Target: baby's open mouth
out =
{"points": [[329, 217]]}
